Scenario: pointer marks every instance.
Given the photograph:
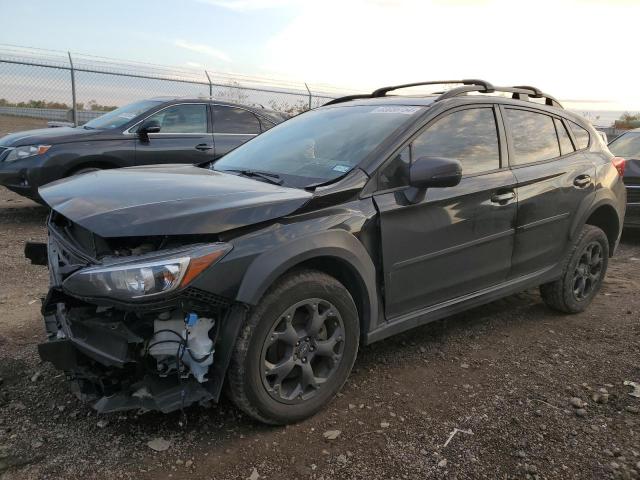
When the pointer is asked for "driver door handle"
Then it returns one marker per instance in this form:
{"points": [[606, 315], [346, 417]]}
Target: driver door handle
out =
{"points": [[203, 147], [503, 197], [582, 181]]}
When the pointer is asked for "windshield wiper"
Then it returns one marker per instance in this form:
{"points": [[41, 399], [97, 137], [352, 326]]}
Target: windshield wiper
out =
{"points": [[273, 178]]}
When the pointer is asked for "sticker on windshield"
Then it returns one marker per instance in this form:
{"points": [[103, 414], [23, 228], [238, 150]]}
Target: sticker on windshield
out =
{"points": [[342, 168], [407, 110], [127, 116]]}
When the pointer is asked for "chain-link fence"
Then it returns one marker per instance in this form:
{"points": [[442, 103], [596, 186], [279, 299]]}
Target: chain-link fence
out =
{"points": [[75, 88]]}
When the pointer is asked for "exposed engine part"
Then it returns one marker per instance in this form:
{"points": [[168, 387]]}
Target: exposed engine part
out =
{"points": [[182, 345]]}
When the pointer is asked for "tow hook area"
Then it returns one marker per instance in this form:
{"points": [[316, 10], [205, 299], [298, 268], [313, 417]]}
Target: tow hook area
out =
{"points": [[121, 361]]}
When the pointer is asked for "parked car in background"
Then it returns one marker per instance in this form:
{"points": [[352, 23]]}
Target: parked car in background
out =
{"points": [[343, 226], [627, 145], [177, 130]]}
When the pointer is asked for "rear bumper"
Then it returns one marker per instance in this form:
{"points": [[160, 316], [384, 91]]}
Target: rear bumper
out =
{"points": [[632, 217]]}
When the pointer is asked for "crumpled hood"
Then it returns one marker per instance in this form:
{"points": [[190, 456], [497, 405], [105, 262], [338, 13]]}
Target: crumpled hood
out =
{"points": [[48, 136], [168, 200]]}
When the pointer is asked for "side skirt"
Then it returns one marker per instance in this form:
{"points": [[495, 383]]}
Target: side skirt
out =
{"points": [[426, 315]]}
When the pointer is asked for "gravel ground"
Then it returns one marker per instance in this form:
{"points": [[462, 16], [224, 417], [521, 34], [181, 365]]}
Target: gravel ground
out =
{"points": [[507, 378]]}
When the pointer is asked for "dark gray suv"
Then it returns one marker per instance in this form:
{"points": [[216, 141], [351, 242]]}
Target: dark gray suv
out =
{"points": [[339, 227], [160, 130]]}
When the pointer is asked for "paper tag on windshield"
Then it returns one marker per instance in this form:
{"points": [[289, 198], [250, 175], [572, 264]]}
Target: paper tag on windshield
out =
{"points": [[407, 110], [342, 168], [128, 116]]}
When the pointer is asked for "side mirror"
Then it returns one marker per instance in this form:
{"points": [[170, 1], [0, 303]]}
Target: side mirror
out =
{"points": [[150, 126], [435, 172]]}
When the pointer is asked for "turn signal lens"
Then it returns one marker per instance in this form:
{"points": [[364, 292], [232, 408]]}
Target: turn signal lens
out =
{"points": [[619, 163]]}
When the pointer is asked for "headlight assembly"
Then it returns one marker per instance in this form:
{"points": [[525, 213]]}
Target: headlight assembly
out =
{"points": [[18, 153], [146, 276]]}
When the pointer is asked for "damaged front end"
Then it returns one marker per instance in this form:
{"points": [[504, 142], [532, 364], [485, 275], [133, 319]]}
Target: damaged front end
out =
{"points": [[123, 322]]}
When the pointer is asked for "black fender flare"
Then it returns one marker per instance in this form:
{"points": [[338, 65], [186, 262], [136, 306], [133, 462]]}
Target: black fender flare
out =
{"points": [[599, 199], [270, 265], [340, 244]]}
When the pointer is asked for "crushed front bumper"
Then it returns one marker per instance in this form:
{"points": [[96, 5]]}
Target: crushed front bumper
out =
{"points": [[103, 354]]}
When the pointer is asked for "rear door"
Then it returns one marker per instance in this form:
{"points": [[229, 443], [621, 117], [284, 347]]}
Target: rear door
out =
{"points": [[455, 240], [553, 178], [185, 136], [232, 126]]}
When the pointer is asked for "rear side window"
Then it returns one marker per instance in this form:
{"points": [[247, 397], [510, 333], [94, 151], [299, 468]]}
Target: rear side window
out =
{"points": [[234, 120], [470, 136], [581, 134], [533, 135], [566, 146]]}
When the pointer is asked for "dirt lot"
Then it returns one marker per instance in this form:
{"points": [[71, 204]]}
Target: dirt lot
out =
{"points": [[503, 374], [9, 124]]}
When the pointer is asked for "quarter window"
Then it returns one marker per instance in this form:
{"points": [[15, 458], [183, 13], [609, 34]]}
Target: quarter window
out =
{"points": [[234, 120], [470, 136], [187, 118], [582, 135], [566, 146], [396, 172], [533, 135]]}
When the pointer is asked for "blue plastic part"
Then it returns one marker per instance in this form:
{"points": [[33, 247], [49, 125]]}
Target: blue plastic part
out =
{"points": [[191, 319]]}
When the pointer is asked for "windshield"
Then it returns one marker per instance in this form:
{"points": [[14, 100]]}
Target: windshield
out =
{"points": [[320, 145], [118, 117], [626, 145]]}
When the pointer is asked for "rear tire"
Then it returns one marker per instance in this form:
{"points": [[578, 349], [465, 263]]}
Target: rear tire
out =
{"points": [[585, 267], [295, 350]]}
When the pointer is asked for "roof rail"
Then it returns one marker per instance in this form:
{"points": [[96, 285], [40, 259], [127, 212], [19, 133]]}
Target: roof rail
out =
{"points": [[381, 92], [519, 92]]}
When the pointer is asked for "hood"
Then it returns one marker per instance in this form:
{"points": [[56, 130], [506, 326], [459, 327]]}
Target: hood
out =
{"points": [[168, 200], [47, 136]]}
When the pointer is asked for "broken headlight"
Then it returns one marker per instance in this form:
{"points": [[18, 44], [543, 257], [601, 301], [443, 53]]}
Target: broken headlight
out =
{"points": [[146, 276]]}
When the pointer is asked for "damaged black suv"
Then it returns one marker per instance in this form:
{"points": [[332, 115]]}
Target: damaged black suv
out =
{"points": [[338, 228]]}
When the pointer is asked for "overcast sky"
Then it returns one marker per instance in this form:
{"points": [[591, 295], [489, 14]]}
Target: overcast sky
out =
{"points": [[580, 50]]}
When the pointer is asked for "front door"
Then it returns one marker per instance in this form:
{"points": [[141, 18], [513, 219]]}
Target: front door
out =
{"points": [[185, 136], [455, 240], [553, 178]]}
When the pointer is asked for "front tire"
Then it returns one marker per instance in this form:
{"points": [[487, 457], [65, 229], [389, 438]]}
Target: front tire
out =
{"points": [[584, 270], [295, 350]]}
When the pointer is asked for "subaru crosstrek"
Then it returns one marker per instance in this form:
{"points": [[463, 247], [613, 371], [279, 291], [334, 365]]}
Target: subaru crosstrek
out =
{"points": [[340, 227]]}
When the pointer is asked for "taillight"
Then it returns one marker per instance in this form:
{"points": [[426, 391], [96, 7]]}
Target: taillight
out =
{"points": [[619, 163]]}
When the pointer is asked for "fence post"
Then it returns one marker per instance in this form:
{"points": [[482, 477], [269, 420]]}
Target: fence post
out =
{"points": [[210, 84], [307, 86], [73, 91]]}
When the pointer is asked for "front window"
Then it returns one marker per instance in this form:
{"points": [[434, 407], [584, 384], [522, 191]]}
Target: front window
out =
{"points": [[626, 145], [320, 145], [183, 118], [118, 117]]}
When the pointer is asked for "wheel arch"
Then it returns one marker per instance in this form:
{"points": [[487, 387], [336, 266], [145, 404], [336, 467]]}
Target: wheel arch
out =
{"points": [[100, 162], [335, 252], [603, 215]]}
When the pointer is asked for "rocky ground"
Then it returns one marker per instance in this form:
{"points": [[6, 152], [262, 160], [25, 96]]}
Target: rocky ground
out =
{"points": [[509, 390]]}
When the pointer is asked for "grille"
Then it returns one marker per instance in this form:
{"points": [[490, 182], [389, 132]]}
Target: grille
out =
{"points": [[2, 151], [633, 194]]}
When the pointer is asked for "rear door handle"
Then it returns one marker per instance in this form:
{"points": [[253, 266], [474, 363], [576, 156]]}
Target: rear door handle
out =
{"points": [[203, 147], [503, 197], [582, 181]]}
